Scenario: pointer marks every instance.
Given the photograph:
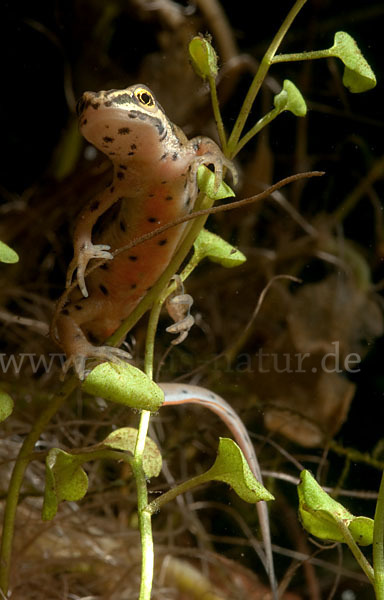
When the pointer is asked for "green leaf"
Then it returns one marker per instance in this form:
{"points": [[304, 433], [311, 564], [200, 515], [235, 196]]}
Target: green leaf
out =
{"points": [[203, 57], [290, 98], [6, 405], [231, 467], [320, 514], [64, 480], [125, 439], [7, 255], [358, 75], [209, 245], [124, 384], [206, 180]]}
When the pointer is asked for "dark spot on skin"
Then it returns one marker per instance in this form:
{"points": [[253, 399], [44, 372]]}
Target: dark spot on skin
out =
{"points": [[122, 226], [130, 154], [133, 286], [151, 195], [103, 289], [133, 257], [123, 167], [164, 156], [84, 122], [112, 189], [148, 289], [212, 396], [94, 206], [162, 242], [95, 105], [184, 392], [78, 307], [152, 220], [108, 103], [107, 139], [111, 153], [175, 156], [106, 126], [120, 175], [169, 197], [122, 99], [188, 201], [133, 114], [104, 267], [65, 311], [164, 182], [123, 130], [133, 146]]}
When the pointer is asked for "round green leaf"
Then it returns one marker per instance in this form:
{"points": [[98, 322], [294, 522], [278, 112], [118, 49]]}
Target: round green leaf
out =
{"points": [[6, 405], [125, 439], [358, 75], [7, 255], [320, 514], [209, 245], [64, 480], [231, 467], [124, 384], [290, 98]]}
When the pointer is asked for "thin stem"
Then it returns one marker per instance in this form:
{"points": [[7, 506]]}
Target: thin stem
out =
{"points": [[357, 553], [259, 78], [378, 544], [261, 123], [17, 477], [217, 114], [145, 524], [155, 505], [295, 56]]}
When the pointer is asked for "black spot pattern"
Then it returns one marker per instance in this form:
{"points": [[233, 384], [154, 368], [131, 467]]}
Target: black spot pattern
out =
{"points": [[162, 242], [123, 131], [107, 139], [103, 289], [94, 206]]}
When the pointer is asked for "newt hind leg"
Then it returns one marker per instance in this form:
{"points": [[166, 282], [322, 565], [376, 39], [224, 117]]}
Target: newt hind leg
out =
{"points": [[75, 343]]}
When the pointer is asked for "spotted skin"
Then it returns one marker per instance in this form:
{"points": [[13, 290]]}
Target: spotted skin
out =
{"points": [[154, 183]]}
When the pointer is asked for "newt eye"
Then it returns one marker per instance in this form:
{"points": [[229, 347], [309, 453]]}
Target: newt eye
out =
{"points": [[145, 97]]}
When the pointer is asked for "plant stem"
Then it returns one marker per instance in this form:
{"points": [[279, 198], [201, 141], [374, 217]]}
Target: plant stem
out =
{"points": [[259, 78], [145, 523], [295, 56], [217, 114], [357, 553], [261, 123], [17, 476], [155, 505], [378, 544]]}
